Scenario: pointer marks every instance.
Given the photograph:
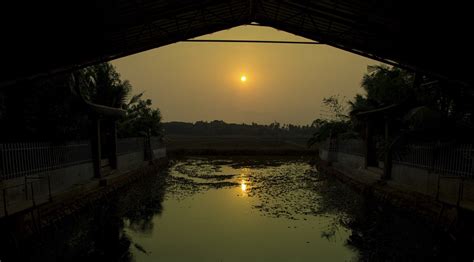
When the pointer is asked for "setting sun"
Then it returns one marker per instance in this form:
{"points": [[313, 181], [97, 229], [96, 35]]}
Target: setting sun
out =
{"points": [[243, 78]]}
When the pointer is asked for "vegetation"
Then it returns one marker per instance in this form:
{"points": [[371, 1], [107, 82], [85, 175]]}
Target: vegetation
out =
{"points": [[419, 111], [47, 110], [220, 138], [141, 119], [103, 85], [335, 122], [182, 145], [41, 110], [219, 127]]}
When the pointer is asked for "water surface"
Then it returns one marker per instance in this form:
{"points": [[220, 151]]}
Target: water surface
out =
{"points": [[216, 210], [238, 209]]}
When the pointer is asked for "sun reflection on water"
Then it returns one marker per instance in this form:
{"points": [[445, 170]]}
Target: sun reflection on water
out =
{"points": [[243, 186], [244, 172]]}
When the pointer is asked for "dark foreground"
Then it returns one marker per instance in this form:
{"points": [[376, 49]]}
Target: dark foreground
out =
{"points": [[239, 209]]}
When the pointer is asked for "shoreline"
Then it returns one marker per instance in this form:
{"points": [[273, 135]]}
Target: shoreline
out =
{"points": [[443, 217], [179, 152]]}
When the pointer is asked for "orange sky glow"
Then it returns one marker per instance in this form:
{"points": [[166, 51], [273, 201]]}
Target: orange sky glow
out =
{"points": [[204, 81]]}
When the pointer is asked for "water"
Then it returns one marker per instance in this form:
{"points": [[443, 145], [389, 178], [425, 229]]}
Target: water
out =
{"points": [[240, 212], [240, 209]]}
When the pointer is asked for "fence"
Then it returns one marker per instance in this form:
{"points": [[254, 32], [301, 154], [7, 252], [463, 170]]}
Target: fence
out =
{"points": [[24, 159], [454, 160], [444, 159]]}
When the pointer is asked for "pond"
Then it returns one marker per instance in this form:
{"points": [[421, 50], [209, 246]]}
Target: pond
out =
{"points": [[217, 210], [238, 209]]}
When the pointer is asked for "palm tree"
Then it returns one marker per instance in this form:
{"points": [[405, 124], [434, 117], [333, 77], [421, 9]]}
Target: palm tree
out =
{"points": [[105, 86]]}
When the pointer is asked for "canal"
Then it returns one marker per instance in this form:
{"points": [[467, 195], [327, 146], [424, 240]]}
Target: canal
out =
{"points": [[237, 209]]}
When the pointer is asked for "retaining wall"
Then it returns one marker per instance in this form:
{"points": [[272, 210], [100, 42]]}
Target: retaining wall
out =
{"points": [[63, 178], [447, 189]]}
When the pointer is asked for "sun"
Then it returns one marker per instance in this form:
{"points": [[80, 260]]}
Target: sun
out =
{"points": [[243, 78]]}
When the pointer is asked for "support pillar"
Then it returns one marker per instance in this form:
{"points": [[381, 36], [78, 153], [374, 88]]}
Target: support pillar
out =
{"points": [[387, 166], [147, 146], [370, 154], [113, 144], [96, 147]]}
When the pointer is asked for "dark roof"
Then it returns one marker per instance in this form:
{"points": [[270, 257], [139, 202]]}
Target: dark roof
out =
{"points": [[42, 37]]}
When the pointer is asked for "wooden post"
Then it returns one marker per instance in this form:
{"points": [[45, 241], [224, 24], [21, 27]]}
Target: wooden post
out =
{"points": [[387, 166], [113, 144], [370, 155], [366, 149], [95, 146], [417, 79], [5, 202], [147, 146]]}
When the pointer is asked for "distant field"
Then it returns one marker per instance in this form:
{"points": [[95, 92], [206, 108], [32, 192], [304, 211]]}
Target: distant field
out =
{"points": [[229, 145]]}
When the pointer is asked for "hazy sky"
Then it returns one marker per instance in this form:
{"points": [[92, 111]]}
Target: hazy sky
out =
{"points": [[285, 83]]}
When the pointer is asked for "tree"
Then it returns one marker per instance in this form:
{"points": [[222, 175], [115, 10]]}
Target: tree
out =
{"points": [[422, 104], [336, 108], [42, 110], [105, 86], [334, 124], [387, 85], [47, 110], [141, 119]]}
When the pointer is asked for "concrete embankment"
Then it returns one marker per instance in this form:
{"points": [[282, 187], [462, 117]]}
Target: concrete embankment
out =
{"points": [[69, 202], [445, 217]]}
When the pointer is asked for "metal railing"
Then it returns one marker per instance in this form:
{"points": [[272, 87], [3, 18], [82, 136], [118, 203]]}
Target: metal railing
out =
{"points": [[31, 158], [24, 159], [453, 160], [421, 156], [445, 159]]}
